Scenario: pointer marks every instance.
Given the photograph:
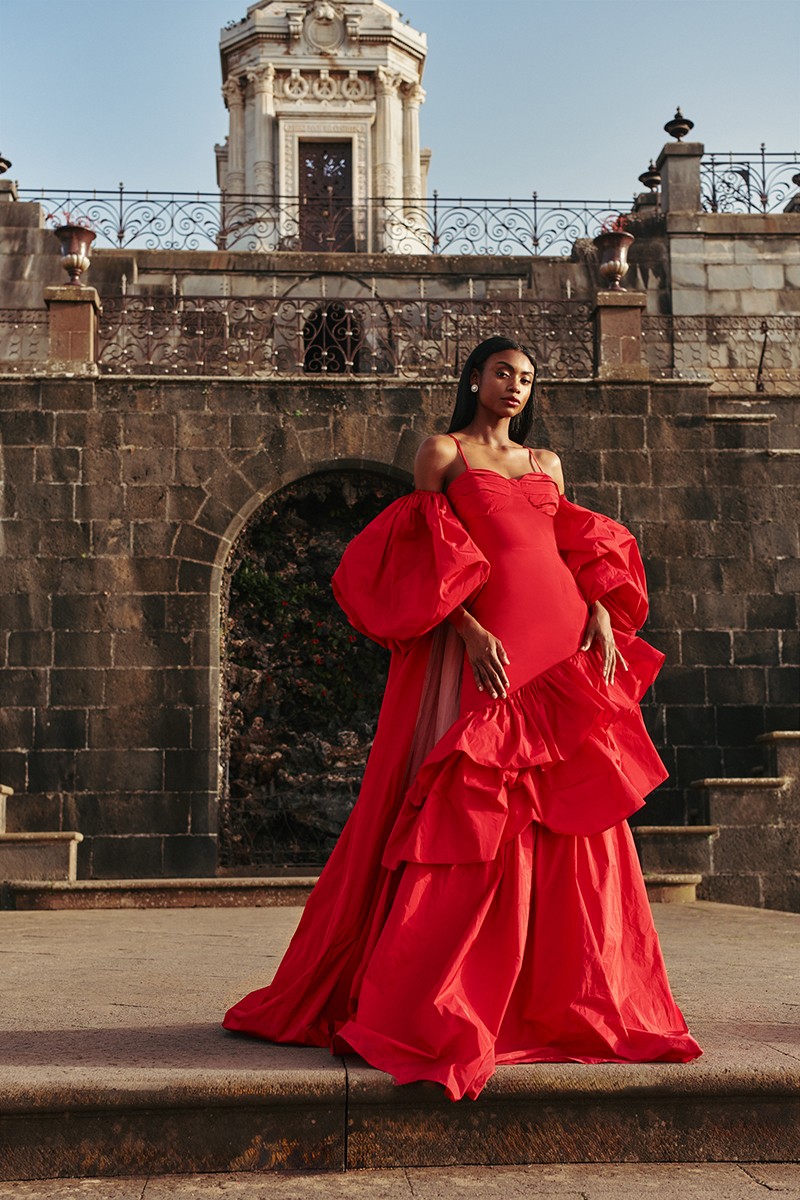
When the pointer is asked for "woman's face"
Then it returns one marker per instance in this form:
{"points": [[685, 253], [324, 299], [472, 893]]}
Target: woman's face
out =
{"points": [[505, 382]]}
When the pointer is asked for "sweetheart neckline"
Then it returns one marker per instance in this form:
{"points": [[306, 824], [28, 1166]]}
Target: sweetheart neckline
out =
{"points": [[508, 478]]}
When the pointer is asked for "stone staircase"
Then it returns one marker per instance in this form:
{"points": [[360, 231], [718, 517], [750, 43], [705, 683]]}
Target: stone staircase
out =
{"points": [[749, 853], [28, 857]]}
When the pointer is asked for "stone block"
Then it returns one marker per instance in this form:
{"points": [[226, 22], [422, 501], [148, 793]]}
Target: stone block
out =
{"points": [[193, 856], [77, 687], [30, 649], [732, 888], [680, 850], [772, 612], [112, 815], [738, 850], [758, 304], [690, 725], [127, 857], [767, 276], [16, 728], [757, 647], [127, 770], [29, 813], [35, 856], [781, 890], [23, 687], [150, 466], [60, 729], [730, 685], [124, 726], [136, 686]]}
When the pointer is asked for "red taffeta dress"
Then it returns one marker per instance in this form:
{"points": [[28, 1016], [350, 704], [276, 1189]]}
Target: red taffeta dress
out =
{"points": [[484, 903]]}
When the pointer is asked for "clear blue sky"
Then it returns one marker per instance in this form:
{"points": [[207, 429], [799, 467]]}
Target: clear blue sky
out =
{"points": [[567, 97]]}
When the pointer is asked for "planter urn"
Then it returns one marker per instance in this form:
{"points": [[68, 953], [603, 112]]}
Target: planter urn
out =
{"points": [[613, 251], [76, 247]]}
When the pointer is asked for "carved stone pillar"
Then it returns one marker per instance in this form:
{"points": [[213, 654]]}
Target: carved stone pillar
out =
{"points": [[234, 101], [413, 97], [388, 134], [264, 129]]}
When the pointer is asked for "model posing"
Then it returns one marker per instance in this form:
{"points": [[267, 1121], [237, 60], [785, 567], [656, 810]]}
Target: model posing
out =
{"points": [[484, 903]]}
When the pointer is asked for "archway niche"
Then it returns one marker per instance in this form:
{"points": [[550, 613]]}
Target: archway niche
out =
{"points": [[300, 690]]}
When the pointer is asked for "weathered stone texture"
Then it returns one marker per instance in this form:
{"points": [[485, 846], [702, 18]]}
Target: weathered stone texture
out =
{"points": [[122, 500]]}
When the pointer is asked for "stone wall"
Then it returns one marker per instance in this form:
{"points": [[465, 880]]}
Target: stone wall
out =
{"points": [[122, 499]]}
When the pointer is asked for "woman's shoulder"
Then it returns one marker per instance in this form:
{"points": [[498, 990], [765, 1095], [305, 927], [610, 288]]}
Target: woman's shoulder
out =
{"points": [[549, 461], [434, 457]]}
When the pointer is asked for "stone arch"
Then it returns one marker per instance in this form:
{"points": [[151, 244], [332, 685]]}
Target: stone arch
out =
{"points": [[300, 690], [202, 547]]}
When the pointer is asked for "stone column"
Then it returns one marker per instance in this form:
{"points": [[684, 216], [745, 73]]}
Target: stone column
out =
{"points": [[264, 128], [618, 335], [388, 134], [679, 164], [234, 101], [413, 97], [388, 150]]}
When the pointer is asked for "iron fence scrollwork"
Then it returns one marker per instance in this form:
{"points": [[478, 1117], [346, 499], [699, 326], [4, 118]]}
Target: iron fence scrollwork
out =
{"points": [[342, 336]]}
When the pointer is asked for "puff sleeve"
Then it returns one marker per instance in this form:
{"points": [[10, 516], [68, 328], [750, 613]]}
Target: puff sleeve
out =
{"points": [[604, 559], [407, 570]]}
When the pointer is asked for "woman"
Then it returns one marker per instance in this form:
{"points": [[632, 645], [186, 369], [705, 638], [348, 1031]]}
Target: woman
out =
{"points": [[484, 903]]}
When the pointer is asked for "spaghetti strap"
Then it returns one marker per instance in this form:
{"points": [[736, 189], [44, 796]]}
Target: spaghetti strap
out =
{"points": [[460, 451], [534, 462]]}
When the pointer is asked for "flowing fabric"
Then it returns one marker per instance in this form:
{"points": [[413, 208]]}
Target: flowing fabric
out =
{"points": [[484, 903]]}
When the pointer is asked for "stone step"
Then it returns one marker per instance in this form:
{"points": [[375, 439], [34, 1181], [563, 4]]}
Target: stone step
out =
{"points": [[250, 892], [783, 752], [38, 856], [123, 1070], [671, 888], [676, 848], [5, 792], [757, 800]]}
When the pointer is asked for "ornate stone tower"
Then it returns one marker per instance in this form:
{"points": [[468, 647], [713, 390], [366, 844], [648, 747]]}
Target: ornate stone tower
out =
{"points": [[323, 150]]}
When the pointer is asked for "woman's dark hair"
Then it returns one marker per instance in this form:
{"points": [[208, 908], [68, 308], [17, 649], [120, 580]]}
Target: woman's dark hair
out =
{"points": [[467, 401]]}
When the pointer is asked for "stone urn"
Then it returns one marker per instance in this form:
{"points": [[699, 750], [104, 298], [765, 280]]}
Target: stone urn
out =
{"points": [[613, 250], [76, 247]]}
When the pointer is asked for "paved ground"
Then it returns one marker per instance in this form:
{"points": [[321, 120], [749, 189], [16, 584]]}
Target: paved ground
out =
{"points": [[688, 1181], [134, 997]]}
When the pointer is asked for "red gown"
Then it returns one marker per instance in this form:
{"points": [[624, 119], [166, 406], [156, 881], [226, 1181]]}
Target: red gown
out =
{"points": [[484, 903]]}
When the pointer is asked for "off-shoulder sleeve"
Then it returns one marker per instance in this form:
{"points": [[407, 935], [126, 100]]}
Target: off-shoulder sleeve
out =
{"points": [[605, 560], [407, 570]]}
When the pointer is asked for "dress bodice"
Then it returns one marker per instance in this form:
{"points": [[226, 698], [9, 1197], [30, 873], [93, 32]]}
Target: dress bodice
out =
{"points": [[530, 600]]}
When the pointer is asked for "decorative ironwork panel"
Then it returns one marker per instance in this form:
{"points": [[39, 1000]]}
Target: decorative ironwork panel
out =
{"points": [[318, 336], [732, 353], [24, 338], [436, 225], [749, 182], [326, 196]]}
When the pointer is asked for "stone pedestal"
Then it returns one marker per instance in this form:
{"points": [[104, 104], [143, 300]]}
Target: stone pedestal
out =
{"points": [[618, 335], [8, 190], [679, 164], [73, 328]]}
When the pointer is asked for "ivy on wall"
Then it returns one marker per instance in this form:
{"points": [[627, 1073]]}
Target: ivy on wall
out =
{"points": [[301, 689]]}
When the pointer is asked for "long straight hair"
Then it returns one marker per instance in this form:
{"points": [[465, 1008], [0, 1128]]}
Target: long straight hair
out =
{"points": [[467, 401]]}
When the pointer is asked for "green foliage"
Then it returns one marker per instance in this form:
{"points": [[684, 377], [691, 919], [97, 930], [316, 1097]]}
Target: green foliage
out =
{"points": [[302, 689]]}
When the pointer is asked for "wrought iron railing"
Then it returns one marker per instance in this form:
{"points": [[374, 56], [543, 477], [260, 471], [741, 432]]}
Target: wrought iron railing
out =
{"points": [[731, 353], [317, 336], [436, 225], [24, 338], [758, 181]]}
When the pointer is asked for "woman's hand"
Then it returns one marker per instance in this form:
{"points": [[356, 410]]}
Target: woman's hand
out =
{"points": [[486, 653], [600, 627]]}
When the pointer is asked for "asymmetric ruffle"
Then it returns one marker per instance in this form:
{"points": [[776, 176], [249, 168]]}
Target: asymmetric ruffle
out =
{"points": [[484, 903]]}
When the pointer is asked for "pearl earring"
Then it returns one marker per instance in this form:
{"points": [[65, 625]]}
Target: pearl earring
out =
{"points": [[474, 387]]}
